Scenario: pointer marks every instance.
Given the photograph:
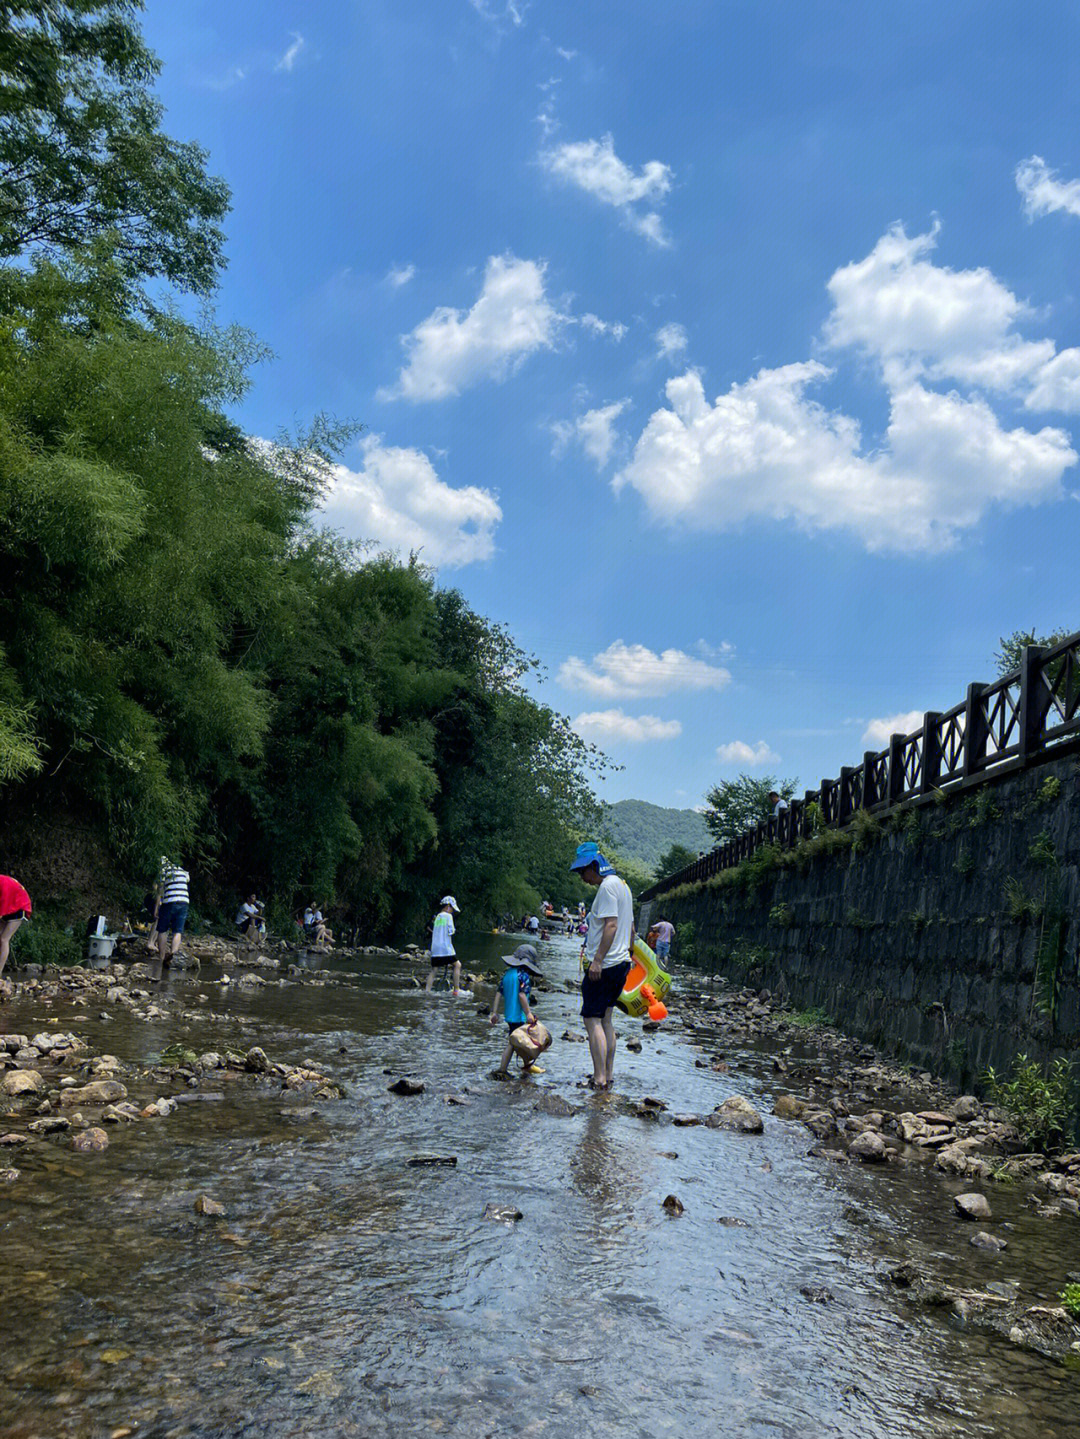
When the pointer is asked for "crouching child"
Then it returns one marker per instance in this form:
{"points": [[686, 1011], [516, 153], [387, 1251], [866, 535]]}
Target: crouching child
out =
{"points": [[513, 993]]}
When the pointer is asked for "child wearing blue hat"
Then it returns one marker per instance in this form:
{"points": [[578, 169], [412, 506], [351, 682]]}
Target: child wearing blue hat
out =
{"points": [[513, 993]]}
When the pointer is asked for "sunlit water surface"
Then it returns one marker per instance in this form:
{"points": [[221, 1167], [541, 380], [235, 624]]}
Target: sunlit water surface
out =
{"points": [[347, 1293]]}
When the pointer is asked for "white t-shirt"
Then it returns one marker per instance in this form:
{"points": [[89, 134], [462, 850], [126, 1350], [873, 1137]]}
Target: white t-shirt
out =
{"points": [[613, 901], [442, 934], [778, 806], [247, 911]]}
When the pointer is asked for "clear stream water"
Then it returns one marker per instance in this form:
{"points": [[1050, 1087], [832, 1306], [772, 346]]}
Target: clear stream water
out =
{"points": [[349, 1294]]}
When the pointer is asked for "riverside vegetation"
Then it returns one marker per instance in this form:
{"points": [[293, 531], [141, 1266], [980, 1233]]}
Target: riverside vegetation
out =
{"points": [[189, 665]]}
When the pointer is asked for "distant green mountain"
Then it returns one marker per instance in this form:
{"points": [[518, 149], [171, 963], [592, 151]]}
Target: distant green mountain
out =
{"points": [[643, 832]]}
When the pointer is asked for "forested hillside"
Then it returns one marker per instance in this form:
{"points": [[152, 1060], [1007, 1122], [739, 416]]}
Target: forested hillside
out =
{"points": [[643, 832]]}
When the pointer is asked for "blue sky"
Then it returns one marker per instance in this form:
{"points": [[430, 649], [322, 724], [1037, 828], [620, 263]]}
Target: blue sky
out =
{"points": [[727, 352]]}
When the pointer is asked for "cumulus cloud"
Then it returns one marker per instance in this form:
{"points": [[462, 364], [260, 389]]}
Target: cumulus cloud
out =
{"points": [[452, 349], [399, 275], [1042, 191], [292, 54], [595, 430], [753, 756], [614, 725], [624, 671], [880, 731], [767, 449], [670, 340], [593, 166], [397, 501]]}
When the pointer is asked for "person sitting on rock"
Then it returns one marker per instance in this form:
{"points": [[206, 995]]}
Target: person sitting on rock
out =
{"points": [[315, 930], [513, 992], [15, 906], [250, 922]]}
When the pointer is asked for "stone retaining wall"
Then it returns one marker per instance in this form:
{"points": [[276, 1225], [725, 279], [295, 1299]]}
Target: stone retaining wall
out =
{"points": [[927, 936]]}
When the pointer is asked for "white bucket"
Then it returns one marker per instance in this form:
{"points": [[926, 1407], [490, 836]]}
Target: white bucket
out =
{"points": [[99, 950]]}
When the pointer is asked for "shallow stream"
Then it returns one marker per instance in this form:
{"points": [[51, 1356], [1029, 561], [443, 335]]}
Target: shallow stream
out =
{"points": [[347, 1293]]}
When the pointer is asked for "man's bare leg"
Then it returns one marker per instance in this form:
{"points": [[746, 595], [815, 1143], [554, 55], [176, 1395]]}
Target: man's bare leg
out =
{"points": [[609, 1036], [430, 980], [457, 975], [594, 1028]]}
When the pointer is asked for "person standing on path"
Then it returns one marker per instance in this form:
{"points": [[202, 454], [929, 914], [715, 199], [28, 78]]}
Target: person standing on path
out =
{"points": [[664, 931], [15, 906], [608, 946], [172, 912], [442, 944]]}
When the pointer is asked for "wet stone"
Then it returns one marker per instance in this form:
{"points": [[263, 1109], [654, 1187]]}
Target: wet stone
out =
{"points": [[406, 1086], [972, 1206], [736, 1114], [816, 1293], [982, 1240], [433, 1161], [502, 1213], [90, 1141], [210, 1207], [556, 1106], [22, 1081], [868, 1147], [673, 1204]]}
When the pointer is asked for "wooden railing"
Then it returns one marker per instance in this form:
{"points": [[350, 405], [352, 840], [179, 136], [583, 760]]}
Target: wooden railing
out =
{"points": [[1021, 719]]}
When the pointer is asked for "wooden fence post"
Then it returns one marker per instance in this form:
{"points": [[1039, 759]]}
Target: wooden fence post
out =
{"points": [[1034, 700], [870, 795], [975, 731], [843, 808], [931, 752], [896, 768]]}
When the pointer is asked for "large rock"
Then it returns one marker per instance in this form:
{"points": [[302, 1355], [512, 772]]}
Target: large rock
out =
{"points": [[972, 1206], [98, 1091], [737, 1114], [407, 1086], [787, 1106], [965, 1108], [90, 1141], [22, 1081], [256, 1062], [982, 1240], [868, 1147]]}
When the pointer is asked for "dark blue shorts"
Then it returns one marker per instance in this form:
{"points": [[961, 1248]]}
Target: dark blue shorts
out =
{"points": [[172, 916], [599, 995]]}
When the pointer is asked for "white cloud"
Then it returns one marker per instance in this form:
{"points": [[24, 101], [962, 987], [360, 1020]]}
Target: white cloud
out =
{"points": [[595, 430], [512, 10], [633, 671], [751, 755], [399, 275], [879, 731], [452, 349], [764, 450], [615, 328], [292, 54], [593, 166], [1043, 192], [670, 340], [566, 54], [919, 319], [614, 725], [397, 500]]}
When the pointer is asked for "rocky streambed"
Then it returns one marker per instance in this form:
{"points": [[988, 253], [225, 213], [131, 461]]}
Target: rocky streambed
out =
{"points": [[316, 1213]]}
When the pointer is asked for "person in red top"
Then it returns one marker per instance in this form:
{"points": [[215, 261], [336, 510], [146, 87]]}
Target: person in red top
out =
{"points": [[15, 906]]}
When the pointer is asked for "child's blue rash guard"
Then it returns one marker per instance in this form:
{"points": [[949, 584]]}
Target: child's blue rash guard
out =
{"points": [[512, 982]]}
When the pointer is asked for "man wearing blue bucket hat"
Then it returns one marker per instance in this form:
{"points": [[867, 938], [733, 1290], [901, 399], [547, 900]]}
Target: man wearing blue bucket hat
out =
{"points": [[608, 946]]}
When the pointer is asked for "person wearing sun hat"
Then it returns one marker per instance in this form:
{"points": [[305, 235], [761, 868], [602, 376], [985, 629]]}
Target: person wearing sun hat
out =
{"points": [[514, 990], [442, 944], [608, 946]]}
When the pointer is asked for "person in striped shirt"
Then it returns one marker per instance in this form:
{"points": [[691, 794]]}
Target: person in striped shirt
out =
{"points": [[172, 911]]}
